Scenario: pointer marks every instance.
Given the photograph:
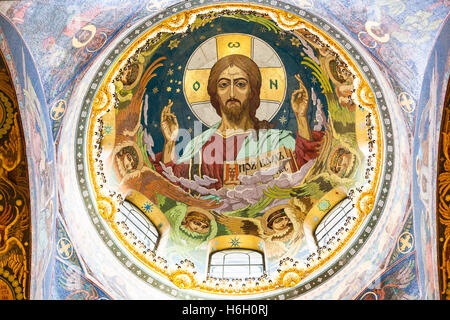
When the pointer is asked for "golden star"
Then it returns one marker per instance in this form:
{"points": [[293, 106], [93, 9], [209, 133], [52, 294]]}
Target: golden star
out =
{"points": [[173, 44]]}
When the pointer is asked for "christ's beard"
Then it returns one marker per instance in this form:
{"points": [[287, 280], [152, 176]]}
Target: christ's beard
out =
{"points": [[234, 109]]}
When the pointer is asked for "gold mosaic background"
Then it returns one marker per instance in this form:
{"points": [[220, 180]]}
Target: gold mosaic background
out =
{"points": [[15, 227]]}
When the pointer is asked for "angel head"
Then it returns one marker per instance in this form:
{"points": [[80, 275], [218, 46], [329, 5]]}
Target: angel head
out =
{"points": [[278, 223], [130, 74], [342, 162], [127, 159], [197, 220]]}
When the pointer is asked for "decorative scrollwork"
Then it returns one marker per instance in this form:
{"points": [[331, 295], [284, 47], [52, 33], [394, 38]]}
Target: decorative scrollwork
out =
{"points": [[365, 95], [287, 20], [443, 200], [365, 203], [14, 196], [106, 209]]}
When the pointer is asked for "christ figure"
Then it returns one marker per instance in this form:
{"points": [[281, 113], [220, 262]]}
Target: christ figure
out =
{"points": [[234, 88]]}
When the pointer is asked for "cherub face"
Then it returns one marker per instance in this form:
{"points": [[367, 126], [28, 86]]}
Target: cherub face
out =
{"points": [[342, 162], [83, 35], [129, 74], [281, 223], [196, 222], [128, 162]]}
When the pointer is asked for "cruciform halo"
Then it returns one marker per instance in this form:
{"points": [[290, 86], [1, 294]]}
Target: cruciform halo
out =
{"points": [[198, 68]]}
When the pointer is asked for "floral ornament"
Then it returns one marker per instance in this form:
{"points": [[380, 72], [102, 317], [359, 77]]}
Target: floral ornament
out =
{"points": [[107, 130], [148, 207], [324, 205], [235, 242]]}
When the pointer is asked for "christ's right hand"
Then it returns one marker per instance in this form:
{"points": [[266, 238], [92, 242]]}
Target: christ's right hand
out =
{"points": [[169, 128], [169, 124]]}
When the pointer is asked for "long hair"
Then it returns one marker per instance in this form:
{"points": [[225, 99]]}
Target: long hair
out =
{"points": [[254, 75]]}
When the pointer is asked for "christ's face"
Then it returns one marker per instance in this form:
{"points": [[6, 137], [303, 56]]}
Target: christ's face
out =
{"points": [[233, 92]]}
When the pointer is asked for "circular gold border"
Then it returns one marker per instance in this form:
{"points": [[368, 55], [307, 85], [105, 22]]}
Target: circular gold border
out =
{"points": [[179, 23]]}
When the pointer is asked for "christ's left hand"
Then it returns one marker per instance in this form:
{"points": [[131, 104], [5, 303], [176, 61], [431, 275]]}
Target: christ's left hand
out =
{"points": [[299, 104], [300, 99]]}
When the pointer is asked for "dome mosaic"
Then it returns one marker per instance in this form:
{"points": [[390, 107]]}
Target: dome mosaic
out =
{"points": [[234, 150]]}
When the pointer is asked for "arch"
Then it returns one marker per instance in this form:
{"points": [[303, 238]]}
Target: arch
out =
{"points": [[40, 155], [430, 126]]}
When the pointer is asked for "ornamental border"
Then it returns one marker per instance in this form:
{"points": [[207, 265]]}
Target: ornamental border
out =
{"points": [[442, 199], [82, 167]]}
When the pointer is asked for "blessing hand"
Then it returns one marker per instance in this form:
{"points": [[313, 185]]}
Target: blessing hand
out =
{"points": [[169, 123], [300, 99]]}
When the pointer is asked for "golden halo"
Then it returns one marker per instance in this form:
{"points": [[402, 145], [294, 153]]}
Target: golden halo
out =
{"points": [[198, 67]]}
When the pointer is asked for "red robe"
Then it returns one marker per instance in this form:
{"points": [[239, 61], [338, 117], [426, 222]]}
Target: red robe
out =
{"points": [[217, 150]]}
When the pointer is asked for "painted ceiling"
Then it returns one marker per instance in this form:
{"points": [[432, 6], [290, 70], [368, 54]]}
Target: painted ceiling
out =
{"points": [[138, 190]]}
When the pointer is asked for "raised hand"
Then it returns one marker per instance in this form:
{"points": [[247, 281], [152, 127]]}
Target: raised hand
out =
{"points": [[169, 123], [300, 99]]}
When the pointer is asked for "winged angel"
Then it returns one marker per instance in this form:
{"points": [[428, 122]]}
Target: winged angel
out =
{"points": [[338, 162], [336, 165], [131, 170]]}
